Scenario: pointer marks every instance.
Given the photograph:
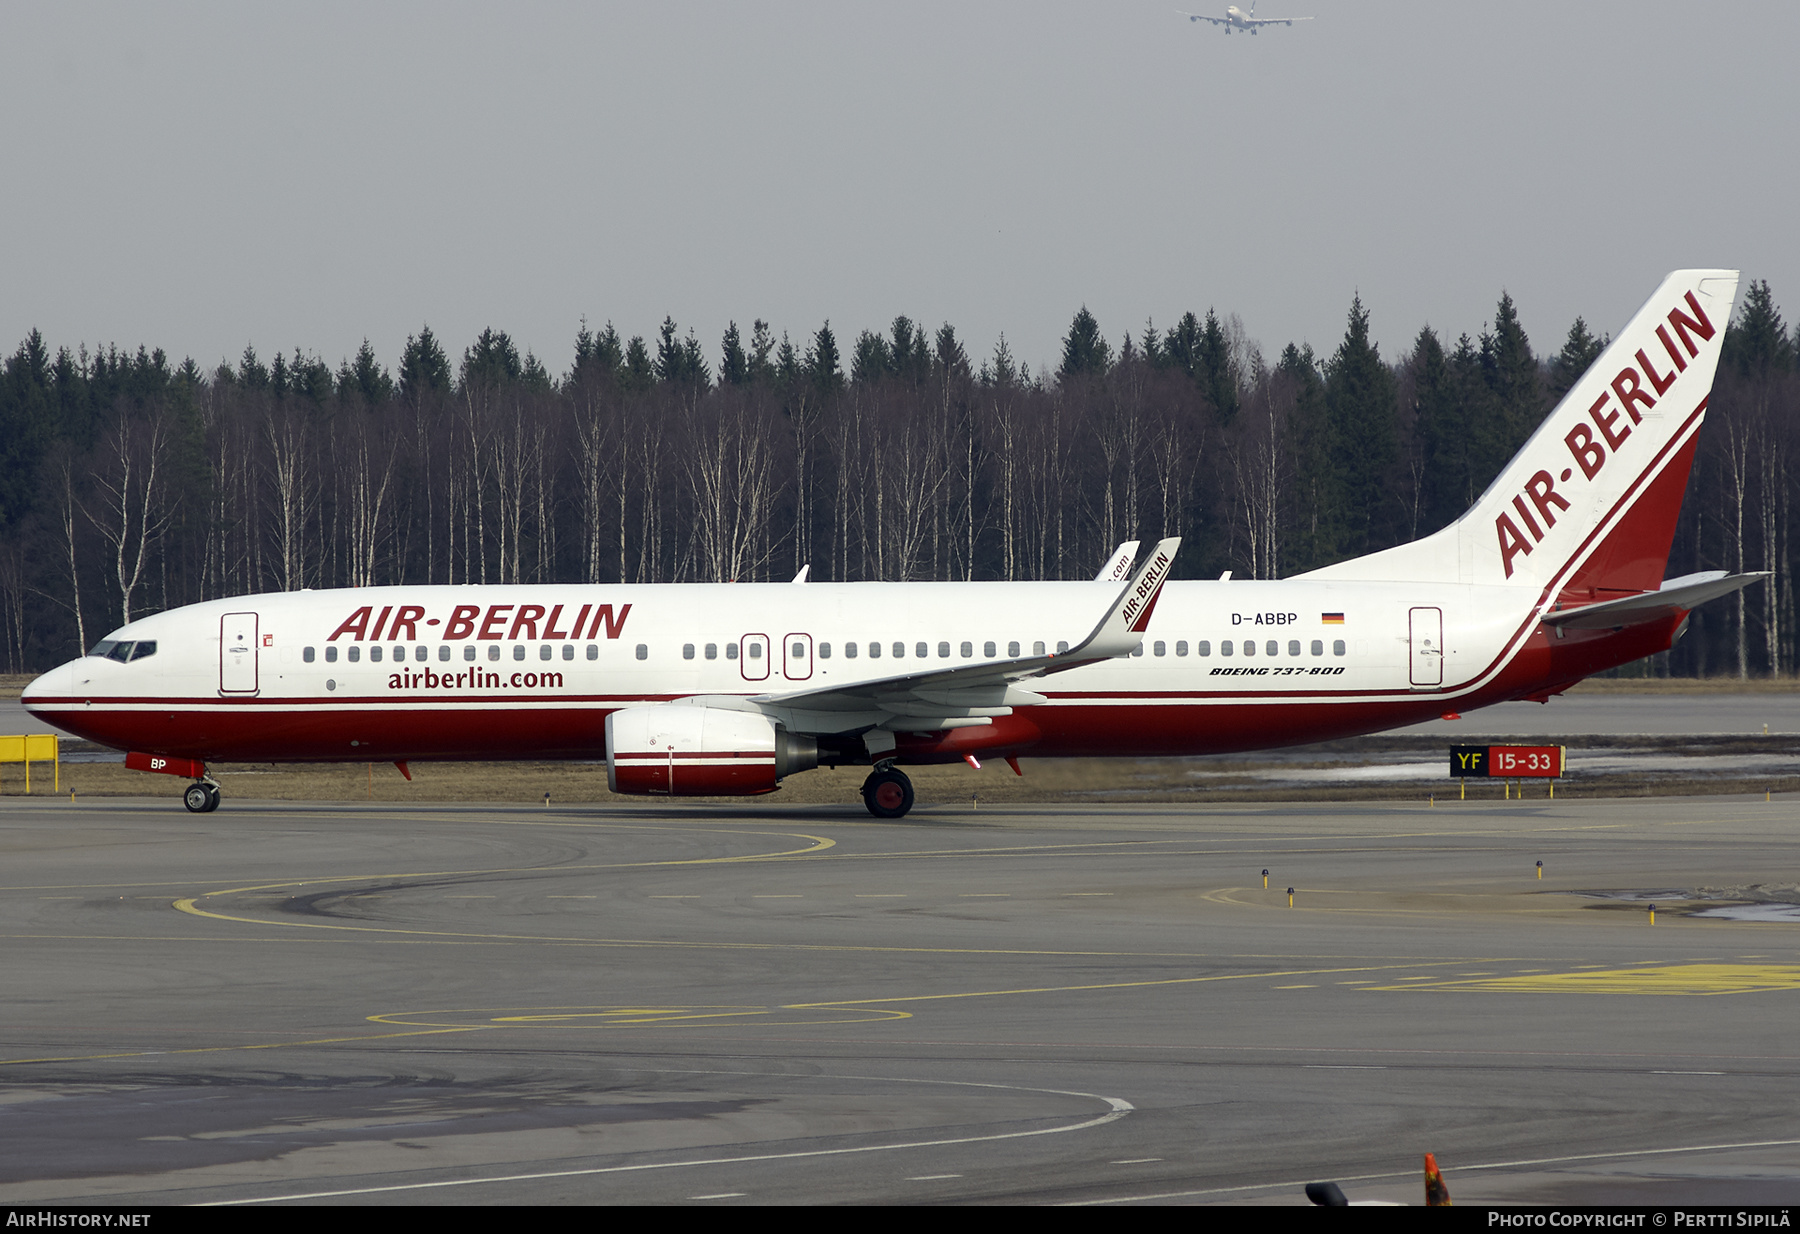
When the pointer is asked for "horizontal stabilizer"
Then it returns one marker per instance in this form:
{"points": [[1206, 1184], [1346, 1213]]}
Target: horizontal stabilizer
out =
{"points": [[1676, 595]]}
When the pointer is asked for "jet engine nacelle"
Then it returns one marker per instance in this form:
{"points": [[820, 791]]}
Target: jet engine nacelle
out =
{"points": [[676, 750]]}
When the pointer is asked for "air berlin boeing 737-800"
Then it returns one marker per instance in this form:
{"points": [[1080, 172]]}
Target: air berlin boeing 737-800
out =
{"points": [[708, 689]]}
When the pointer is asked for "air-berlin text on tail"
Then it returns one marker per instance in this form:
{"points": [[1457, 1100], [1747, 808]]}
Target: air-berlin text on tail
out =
{"points": [[1633, 391], [498, 621]]}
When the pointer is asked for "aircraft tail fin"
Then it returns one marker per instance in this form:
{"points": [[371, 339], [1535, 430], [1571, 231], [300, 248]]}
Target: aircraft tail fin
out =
{"points": [[1590, 502]]}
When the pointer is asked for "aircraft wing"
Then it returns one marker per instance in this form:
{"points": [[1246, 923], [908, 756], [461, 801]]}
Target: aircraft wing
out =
{"points": [[968, 694], [1675, 595], [1217, 21], [1273, 21]]}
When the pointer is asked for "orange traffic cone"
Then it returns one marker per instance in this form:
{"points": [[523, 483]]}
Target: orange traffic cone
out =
{"points": [[1435, 1191]]}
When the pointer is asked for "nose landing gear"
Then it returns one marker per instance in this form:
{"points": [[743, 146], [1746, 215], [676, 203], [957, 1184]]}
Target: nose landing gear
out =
{"points": [[887, 792], [201, 797]]}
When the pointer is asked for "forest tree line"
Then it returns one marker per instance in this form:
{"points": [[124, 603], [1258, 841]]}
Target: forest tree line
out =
{"points": [[129, 485]]}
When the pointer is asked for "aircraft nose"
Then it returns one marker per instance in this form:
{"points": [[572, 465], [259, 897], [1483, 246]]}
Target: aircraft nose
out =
{"points": [[59, 682]]}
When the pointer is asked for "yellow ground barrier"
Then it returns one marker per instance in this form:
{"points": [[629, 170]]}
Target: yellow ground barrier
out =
{"points": [[32, 748]]}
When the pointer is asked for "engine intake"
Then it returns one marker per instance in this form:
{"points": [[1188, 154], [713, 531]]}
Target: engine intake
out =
{"points": [[675, 750]]}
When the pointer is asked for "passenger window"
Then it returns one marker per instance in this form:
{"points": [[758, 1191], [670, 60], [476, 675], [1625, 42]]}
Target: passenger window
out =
{"points": [[593, 651], [988, 651], [943, 651], [1037, 648], [1012, 650], [518, 651], [331, 655], [1161, 648], [568, 651], [687, 651], [1249, 646], [443, 651], [354, 653], [1062, 649], [643, 651], [420, 654], [899, 651], [1181, 647], [797, 651], [374, 655], [1203, 648], [306, 654], [850, 651], [1138, 650], [1318, 647], [544, 651], [1225, 647], [921, 650], [493, 651], [400, 655], [731, 651], [875, 651], [468, 651], [1294, 647], [712, 651], [755, 651], [1272, 648], [1337, 647], [824, 651]]}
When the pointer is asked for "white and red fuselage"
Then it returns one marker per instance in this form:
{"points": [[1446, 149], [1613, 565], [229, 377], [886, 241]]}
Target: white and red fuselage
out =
{"points": [[1554, 574]]}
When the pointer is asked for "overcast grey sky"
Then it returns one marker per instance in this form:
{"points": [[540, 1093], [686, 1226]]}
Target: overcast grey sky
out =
{"points": [[200, 176]]}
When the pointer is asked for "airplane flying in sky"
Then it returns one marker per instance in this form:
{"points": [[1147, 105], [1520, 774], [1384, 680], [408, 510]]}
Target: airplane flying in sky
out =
{"points": [[1236, 19], [712, 689]]}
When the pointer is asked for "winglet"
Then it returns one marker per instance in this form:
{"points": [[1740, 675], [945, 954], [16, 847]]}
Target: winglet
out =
{"points": [[1122, 629], [1118, 567]]}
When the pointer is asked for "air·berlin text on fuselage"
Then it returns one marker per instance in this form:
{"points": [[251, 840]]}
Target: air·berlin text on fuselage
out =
{"points": [[496, 622]]}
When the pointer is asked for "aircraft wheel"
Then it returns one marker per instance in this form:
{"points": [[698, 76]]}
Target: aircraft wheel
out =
{"points": [[888, 794], [200, 798]]}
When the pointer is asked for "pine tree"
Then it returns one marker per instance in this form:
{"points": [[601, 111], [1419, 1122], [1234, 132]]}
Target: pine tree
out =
{"points": [[639, 370], [870, 360], [491, 360], [822, 363], [734, 364], [1364, 429], [1579, 351], [1757, 343], [251, 372], [366, 377], [424, 368], [1085, 349], [1511, 373], [1213, 369], [1441, 433], [762, 344]]}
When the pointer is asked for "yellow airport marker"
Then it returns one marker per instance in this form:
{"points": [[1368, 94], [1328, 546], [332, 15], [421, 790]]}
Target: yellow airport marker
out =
{"points": [[1653, 914], [1265, 880], [1290, 897], [1540, 870]]}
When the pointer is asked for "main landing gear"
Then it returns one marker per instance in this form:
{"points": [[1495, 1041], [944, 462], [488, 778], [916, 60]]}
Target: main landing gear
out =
{"points": [[887, 792], [202, 797]]}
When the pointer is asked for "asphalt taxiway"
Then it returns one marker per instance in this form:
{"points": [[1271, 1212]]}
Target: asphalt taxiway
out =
{"points": [[466, 1005]]}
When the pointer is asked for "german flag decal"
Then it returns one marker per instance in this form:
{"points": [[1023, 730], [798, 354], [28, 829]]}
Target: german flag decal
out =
{"points": [[1332, 619]]}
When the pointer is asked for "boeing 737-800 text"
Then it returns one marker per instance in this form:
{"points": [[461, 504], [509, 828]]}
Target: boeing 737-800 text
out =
{"points": [[706, 689]]}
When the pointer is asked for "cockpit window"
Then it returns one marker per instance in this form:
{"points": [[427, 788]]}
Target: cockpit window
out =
{"points": [[124, 650]]}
